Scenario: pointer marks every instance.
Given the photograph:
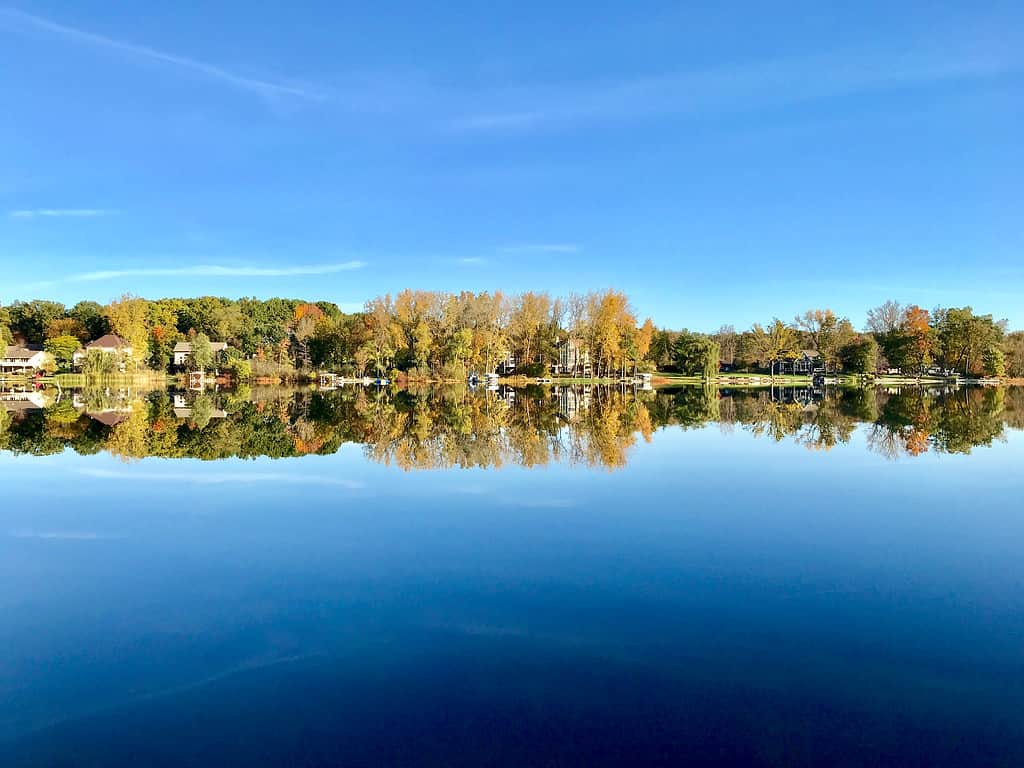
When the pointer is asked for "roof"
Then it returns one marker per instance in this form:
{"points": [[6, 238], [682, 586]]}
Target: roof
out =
{"points": [[20, 406], [108, 418], [110, 341], [186, 413], [186, 346], [809, 352], [21, 353]]}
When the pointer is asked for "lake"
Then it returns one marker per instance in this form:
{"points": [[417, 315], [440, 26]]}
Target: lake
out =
{"points": [[534, 577]]}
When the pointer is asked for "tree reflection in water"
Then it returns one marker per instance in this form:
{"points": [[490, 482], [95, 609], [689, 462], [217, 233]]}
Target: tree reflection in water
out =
{"points": [[452, 427]]}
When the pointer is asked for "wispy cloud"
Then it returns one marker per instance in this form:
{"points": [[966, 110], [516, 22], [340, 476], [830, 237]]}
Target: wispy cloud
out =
{"points": [[222, 478], [750, 86], [28, 533], [499, 121], [214, 270], [263, 87], [57, 213], [527, 248], [541, 503], [211, 271]]}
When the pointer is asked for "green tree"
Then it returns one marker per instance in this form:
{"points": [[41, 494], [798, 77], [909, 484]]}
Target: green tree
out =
{"points": [[994, 361], [30, 318], [697, 355], [202, 356], [63, 349], [202, 411], [99, 363], [860, 356], [240, 369], [6, 337], [963, 338], [90, 315], [162, 340], [5, 422]]}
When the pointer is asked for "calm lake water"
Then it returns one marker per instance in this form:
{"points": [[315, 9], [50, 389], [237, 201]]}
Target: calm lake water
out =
{"points": [[512, 578]]}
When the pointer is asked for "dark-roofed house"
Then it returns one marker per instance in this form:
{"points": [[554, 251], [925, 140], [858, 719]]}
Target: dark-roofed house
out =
{"points": [[183, 351], [807, 362], [25, 359], [109, 418], [110, 344]]}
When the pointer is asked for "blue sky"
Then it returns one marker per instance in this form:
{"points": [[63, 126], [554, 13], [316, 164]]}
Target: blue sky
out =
{"points": [[720, 164]]}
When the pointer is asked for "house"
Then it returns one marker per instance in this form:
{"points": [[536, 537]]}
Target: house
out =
{"points": [[806, 363], [27, 359], [507, 365], [109, 344], [183, 409], [23, 401], [183, 351], [109, 418], [573, 359], [573, 401]]}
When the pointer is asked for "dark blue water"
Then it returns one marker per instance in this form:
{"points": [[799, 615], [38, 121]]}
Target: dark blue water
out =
{"points": [[720, 599]]}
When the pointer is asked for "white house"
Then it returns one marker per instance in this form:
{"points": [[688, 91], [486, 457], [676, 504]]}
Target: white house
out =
{"points": [[183, 351], [33, 400], [573, 358], [22, 359]]}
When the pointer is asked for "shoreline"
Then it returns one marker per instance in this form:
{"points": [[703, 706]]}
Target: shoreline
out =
{"points": [[658, 380]]}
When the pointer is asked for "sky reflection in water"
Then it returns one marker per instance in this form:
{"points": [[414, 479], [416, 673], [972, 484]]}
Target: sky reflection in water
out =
{"points": [[722, 595]]}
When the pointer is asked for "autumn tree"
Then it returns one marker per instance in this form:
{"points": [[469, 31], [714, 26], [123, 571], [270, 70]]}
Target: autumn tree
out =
{"points": [[380, 345], [773, 344], [67, 326], [128, 319], [916, 338], [528, 316], [609, 323], [302, 328], [644, 339], [817, 325], [1013, 351]]}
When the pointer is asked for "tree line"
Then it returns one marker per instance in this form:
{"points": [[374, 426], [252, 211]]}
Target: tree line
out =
{"points": [[430, 334], [907, 339]]}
